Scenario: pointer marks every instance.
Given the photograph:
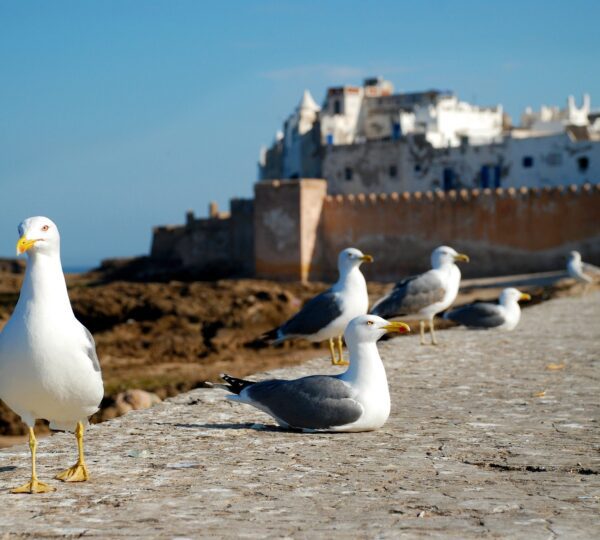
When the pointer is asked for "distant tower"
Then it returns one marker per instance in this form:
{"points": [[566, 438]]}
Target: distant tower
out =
{"points": [[299, 143]]}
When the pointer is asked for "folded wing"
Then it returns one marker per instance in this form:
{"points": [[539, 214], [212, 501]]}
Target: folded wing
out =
{"points": [[478, 315], [316, 314], [316, 402], [411, 295]]}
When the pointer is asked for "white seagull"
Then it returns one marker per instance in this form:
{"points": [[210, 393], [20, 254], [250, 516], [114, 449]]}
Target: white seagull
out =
{"points": [[427, 294], [326, 315], [356, 400], [579, 270], [483, 315], [48, 363]]}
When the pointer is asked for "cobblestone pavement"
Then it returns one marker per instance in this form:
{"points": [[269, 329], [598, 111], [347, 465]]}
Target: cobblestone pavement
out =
{"points": [[491, 435]]}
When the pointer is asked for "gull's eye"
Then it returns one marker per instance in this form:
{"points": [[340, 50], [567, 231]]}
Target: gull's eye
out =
{"points": [[349, 255], [370, 323], [45, 228]]}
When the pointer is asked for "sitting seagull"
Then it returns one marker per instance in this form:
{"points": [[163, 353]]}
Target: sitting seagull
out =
{"points": [[580, 271], [325, 316], [505, 315], [356, 400], [48, 363], [426, 294]]}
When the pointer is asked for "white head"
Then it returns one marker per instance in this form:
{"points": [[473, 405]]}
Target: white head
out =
{"points": [[370, 328], [351, 258], [444, 255], [511, 295], [38, 235], [575, 256]]}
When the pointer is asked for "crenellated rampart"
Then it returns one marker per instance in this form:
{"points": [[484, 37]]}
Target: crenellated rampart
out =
{"points": [[504, 230], [294, 230]]}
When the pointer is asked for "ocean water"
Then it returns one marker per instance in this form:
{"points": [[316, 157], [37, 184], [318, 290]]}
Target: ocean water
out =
{"points": [[75, 269]]}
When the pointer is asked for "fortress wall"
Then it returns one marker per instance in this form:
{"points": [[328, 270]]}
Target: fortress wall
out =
{"points": [[241, 232], [163, 240], [505, 231], [277, 229], [209, 247], [286, 227]]}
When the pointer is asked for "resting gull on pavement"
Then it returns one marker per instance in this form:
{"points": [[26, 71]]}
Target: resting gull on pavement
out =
{"points": [[483, 315], [325, 316], [356, 400], [426, 294], [579, 270], [48, 363]]}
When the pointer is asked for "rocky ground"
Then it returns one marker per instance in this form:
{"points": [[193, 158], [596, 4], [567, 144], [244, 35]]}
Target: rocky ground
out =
{"points": [[169, 337], [491, 435]]}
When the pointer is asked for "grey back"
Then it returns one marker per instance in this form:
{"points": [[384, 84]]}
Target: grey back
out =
{"points": [[316, 314], [315, 402], [410, 296], [478, 315]]}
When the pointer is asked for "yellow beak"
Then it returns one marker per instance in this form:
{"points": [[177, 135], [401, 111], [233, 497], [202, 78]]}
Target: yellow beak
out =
{"points": [[400, 327], [524, 296], [461, 257], [23, 245], [366, 258]]}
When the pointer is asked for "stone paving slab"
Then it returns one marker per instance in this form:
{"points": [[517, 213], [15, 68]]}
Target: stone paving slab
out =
{"points": [[491, 435]]}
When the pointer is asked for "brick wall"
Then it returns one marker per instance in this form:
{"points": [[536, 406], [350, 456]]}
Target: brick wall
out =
{"points": [[505, 231]]}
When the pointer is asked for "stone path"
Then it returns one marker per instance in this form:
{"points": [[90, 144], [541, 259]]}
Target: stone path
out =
{"points": [[491, 435]]}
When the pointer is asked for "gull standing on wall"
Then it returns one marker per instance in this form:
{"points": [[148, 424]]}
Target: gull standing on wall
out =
{"points": [[325, 316], [581, 271], [356, 400], [483, 315], [427, 294], [48, 363]]}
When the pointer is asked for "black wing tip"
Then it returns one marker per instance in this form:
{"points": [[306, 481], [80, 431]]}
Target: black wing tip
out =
{"points": [[235, 385], [270, 337]]}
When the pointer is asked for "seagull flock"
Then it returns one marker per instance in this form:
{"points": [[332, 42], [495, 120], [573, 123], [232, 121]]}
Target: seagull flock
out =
{"points": [[49, 368]]}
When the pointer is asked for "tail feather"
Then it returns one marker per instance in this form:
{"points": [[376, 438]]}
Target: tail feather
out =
{"points": [[235, 385], [272, 336]]}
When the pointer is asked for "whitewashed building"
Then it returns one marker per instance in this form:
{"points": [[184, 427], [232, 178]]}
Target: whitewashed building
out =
{"points": [[368, 139]]}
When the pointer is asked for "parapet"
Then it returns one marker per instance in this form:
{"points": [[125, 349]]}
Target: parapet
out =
{"points": [[462, 195]]}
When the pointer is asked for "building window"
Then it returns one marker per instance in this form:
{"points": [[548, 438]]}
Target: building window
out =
{"points": [[527, 162], [583, 163], [449, 179], [337, 107], [348, 173], [393, 171]]}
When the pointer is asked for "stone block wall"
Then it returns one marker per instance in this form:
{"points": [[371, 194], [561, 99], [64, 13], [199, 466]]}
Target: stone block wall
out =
{"points": [[505, 231], [218, 246], [293, 230], [286, 227]]}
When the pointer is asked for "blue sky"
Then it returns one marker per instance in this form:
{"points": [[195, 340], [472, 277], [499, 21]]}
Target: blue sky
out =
{"points": [[116, 116]]}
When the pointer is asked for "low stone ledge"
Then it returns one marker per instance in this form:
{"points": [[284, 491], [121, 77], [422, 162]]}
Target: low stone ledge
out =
{"points": [[491, 434]]}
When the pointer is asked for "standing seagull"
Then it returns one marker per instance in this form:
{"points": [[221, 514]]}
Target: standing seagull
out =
{"points": [[580, 271], [48, 363], [326, 316], [505, 315], [356, 400], [426, 294]]}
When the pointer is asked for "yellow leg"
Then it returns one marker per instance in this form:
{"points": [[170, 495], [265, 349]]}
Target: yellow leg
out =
{"points": [[432, 332], [340, 359], [422, 330], [79, 471], [34, 486], [332, 351]]}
